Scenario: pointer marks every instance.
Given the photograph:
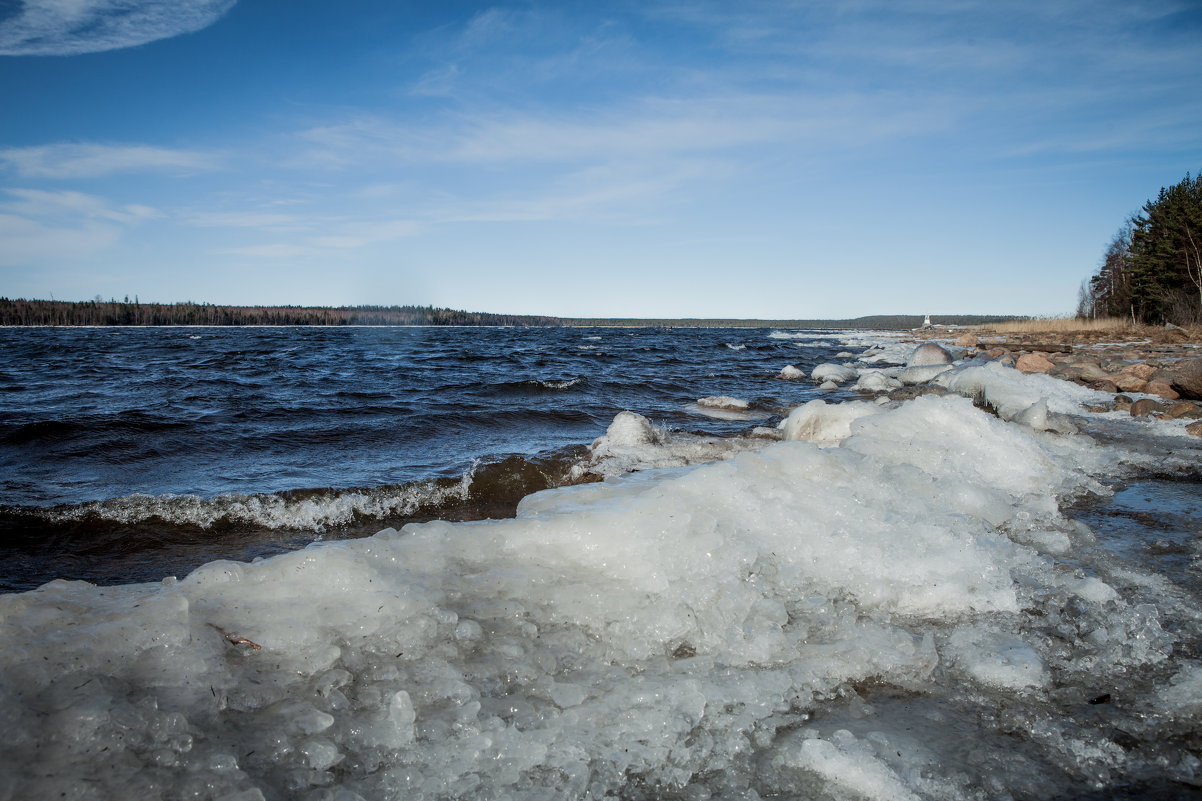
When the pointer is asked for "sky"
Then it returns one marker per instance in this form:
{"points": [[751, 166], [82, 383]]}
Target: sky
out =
{"points": [[674, 158]]}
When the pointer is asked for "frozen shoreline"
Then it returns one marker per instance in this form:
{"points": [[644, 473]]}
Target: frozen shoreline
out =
{"points": [[904, 612]]}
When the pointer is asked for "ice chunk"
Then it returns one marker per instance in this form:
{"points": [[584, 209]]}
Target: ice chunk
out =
{"points": [[823, 423], [997, 660], [929, 353], [836, 373], [850, 765], [791, 373]]}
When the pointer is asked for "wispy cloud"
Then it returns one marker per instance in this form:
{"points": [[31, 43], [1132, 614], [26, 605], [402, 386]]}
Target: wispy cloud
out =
{"points": [[94, 160], [28, 242], [40, 227], [312, 236], [66, 204], [73, 27]]}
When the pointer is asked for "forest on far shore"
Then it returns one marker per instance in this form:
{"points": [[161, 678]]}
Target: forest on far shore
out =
{"points": [[125, 312]]}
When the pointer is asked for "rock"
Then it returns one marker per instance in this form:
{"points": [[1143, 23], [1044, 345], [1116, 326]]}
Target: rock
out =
{"points": [[1129, 383], [929, 353], [1194, 429], [1172, 336], [996, 353], [1104, 385], [1145, 407], [1092, 371], [1187, 379], [1033, 363], [912, 392], [967, 341], [1140, 370], [1161, 388], [1184, 409]]}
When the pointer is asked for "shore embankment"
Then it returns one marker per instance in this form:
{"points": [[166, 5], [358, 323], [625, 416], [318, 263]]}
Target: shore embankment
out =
{"points": [[1154, 372]]}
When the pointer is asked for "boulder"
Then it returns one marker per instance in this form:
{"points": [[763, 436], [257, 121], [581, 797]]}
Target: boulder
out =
{"points": [[1187, 379], [967, 341], [929, 353], [1185, 409], [1104, 385], [1161, 388], [1194, 428], [1092, 371], [1129, 383], [1033, 363], [1145, 407], [1140, 370]]}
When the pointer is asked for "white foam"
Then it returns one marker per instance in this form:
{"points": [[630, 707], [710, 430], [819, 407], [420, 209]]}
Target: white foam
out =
{"points": [[317, 512]]}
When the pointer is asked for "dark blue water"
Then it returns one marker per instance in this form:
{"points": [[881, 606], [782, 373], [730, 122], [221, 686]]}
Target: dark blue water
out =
{"points": [[126, 453]]}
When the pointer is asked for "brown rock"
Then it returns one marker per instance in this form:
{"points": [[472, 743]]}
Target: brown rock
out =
{"points": [[1187, 379], [1129, 383], [1140, 370], [1161, 388], [1184, 409], [1194, 428], [967, 341], [1144, 407], [1105, 385], [1033, 363]]}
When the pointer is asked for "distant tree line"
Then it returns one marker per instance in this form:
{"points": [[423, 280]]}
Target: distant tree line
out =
{"points": [[127, 312], [1151, 271], [878, 322]]}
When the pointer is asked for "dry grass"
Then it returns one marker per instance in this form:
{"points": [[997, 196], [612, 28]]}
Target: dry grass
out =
{"points": [[1062, 325]]}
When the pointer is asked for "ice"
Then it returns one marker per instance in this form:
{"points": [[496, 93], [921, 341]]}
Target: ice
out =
{"points": [[823, 423], [791, 373], [724, 407], [995, 659], [849, 765], [715, 618], [836, 373], [929, 353]]}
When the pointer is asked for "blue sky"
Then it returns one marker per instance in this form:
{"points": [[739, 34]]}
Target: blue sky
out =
{"points": [[657, 159]]}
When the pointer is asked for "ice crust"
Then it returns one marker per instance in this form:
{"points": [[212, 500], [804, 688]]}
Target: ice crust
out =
{"points": [[668, 629]]}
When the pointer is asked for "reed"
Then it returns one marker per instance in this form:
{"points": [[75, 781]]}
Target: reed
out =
{"points": [[1062, 325]]}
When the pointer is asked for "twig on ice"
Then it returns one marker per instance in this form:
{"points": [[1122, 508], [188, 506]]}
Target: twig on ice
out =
{"points": [[236, 639]]}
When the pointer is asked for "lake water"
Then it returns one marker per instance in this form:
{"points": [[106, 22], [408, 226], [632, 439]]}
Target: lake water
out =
{"points": [[339, 564]]}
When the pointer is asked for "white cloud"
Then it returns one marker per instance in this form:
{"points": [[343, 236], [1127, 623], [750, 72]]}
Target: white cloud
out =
{"points": [[276, 250], [39, 227], [360, 234], [67, 161], [73, 27], [28, 242], [235, 219], [70, 204]]}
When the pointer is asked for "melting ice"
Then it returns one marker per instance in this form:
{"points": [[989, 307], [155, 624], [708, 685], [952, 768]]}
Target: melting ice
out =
{"points": [[874, 602]]}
